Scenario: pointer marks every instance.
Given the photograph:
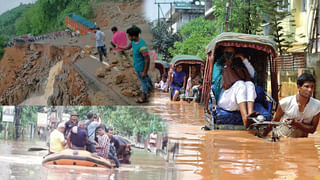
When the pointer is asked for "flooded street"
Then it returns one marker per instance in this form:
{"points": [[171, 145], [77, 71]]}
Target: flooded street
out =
{"points": [[16, 162], [222, 154]]}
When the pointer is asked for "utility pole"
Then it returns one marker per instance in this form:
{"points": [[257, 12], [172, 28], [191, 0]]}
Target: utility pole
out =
{"points": [[227, 16]]}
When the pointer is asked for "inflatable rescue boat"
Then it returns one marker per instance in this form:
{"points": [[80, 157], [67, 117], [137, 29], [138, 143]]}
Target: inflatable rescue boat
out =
{"points": [[76, 158]]}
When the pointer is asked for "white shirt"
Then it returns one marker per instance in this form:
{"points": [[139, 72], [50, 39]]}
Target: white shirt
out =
{"points": [[290, 108], [163, 85]]}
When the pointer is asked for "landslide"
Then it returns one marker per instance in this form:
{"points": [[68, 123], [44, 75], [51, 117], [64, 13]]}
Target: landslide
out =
{"points": [[32, 75], [24, 73]]}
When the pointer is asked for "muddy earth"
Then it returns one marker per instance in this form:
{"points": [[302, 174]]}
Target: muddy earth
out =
{"points": [[66, 70]]}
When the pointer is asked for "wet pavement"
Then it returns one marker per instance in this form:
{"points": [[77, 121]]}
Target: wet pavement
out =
{"points": [[16, 162], [226, 154]]}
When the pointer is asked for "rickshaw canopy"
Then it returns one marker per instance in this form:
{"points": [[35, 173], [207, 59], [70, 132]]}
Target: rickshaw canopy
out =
{"points": [[262, 43], [179, 59], [163, 63]]}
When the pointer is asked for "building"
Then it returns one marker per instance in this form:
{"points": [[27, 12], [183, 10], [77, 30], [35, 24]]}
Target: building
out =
{"points": [[181, 13], [78, 23], [303, 12], [209, 9]]}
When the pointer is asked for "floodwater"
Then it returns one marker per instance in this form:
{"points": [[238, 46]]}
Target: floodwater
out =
{"points": [[16, 162], [227, 154]]}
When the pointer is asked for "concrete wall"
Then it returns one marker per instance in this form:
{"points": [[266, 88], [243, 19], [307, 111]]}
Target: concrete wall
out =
{"points": [[313, 62]]}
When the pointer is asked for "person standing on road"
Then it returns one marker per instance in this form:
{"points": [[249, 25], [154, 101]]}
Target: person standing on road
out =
{"points": [[141, 60], [119, 38], [101, 46]]}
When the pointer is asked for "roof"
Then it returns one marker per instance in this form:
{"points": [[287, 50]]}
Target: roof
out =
{"points": [[263, 43], [178, 58], [81, 20], [164, 63]]}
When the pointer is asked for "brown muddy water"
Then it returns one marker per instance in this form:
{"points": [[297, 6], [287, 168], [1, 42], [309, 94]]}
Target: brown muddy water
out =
{"points": [[16, 162], [222, 154]]}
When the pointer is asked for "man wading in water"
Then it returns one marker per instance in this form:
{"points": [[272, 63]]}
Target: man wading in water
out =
{"points": [[301, 112]]}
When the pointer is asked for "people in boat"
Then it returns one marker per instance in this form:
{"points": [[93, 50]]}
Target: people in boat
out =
{"points": [[301, 112], [163, 84], [78, 137], [103, 142], [123, 148], [57, 140], [112, 151], [177, 81], [233, 87], [71, 123], [92, 123]]}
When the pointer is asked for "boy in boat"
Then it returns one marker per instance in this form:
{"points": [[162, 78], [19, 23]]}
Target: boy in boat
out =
{"points": [[301, 112], [141, 60], [103, 142]]}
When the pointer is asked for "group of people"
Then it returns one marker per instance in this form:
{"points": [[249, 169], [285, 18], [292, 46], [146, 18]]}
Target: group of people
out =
{"points": [[140, 53], [90, 135], [233, 79], [180, 82]]}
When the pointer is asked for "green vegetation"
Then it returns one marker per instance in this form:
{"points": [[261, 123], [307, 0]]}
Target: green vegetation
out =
{"points": [[243, 16], [48, 15], [126, 121], [196, 36], [7, 27], [163, 40]]}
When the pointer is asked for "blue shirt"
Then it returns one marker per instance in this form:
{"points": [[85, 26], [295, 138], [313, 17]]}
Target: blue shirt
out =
{"points": [[79, 139], [92, 131], [139, 51]]}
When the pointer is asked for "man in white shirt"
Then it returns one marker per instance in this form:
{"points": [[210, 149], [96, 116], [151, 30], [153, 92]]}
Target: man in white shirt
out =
{"points": [[300, 111]]}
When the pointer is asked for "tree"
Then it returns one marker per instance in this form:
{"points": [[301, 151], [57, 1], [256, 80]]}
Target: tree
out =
{"points": [[244, 17], [276, 12], [196, 35], [163, 40]]}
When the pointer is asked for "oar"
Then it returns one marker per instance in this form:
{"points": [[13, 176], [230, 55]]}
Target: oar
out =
{"points": [[37, 149]]}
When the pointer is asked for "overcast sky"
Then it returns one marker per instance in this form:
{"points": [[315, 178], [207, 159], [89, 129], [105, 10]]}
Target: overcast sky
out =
{"points": [[151, 9], [6, 5]]}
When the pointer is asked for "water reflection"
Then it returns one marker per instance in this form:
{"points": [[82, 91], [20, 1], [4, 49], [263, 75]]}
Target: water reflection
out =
{"points": [[16, 162], [223, 154]]}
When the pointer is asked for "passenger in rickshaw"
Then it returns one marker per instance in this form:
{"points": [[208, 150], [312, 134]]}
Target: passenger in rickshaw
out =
{"points": [[233, 87], [195, 81], [178, 81], [163, 84]]}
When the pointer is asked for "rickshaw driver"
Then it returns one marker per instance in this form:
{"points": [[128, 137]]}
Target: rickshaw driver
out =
{"points": [[241, 95], [300, 111]]}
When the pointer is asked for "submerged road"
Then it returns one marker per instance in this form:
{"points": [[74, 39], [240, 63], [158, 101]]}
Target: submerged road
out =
{"points": [[16, 163], [227, 154]]}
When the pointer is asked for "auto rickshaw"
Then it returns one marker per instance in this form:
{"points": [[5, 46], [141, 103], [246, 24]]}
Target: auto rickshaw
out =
{"points": [[187, 61], [162, 66], [261, 52]]}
